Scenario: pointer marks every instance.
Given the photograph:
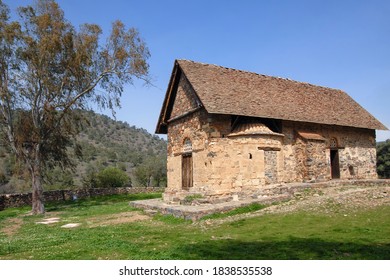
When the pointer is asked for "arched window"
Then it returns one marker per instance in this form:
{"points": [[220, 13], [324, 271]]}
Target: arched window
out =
{"points": [[187, 146], [333, 143]]}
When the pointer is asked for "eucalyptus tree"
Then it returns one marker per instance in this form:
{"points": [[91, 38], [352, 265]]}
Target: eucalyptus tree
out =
{"points": [[49, 72]]}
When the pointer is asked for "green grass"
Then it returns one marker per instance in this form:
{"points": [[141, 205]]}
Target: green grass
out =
{"points": [[170, 219], [363, 234], [241, 210]]}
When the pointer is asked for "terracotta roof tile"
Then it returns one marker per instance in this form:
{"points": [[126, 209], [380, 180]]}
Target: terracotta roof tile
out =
{"points": [[252, 129], [311, 136], [229, 91]]}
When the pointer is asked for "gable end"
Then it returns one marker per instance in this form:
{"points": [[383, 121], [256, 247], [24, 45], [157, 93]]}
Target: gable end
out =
{"points": [[180, 100]]}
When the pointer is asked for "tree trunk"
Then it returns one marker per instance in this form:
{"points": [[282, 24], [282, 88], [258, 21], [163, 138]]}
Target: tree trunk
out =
{"points": [[37, 192]]}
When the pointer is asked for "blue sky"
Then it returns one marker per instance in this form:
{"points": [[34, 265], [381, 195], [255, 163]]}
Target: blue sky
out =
{"points": [[338, 44]]}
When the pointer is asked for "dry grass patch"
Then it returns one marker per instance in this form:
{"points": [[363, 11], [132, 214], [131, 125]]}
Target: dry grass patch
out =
{"points": [[12, 226], [115, 219]]}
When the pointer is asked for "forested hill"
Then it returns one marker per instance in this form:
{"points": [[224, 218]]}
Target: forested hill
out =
{"points": [[117, 141], [104, 142]]}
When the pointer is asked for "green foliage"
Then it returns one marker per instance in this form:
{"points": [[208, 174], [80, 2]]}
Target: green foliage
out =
{"points": [[152, 172], [143, 174], [3, 178], [112, 177], [89, 179], [50, 72], [58, 178], [124, 142], [383, 159], [170, 219], [110, 203]]}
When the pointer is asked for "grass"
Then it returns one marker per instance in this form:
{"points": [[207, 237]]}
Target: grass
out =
{"points": [[191, 198], [241, 210], [364, 234]]}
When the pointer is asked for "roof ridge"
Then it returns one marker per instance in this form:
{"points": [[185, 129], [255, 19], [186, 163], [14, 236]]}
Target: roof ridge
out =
{"points": [[258, 74], [229, 91]]}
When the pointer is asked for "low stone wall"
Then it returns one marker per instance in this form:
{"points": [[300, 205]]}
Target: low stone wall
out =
{"points": [[23, 199]]}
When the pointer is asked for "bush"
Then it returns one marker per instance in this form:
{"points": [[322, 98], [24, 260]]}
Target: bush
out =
{"points": [[112, 177], [3, 178], [383, 159], [152, 172], [57, 178]]}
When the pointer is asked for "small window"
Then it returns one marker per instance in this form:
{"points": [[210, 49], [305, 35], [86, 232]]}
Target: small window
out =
{"points": [[187, 146], [333, 143]]}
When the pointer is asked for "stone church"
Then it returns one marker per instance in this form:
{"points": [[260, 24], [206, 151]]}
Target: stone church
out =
{"points": [[231, 132]]}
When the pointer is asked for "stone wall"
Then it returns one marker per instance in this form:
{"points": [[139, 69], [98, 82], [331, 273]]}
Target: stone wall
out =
{"points": [[308, 160], [311, 162], [23, 199], [222, 165], [185, 99], [270, 170], [188, 127], [226, 165]]}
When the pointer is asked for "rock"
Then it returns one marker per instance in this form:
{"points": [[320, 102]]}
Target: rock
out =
{"points": [[71, 225], [49, 221], [150, 212]]}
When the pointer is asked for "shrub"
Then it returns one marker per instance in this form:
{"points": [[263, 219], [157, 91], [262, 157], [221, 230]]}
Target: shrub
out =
{"points": [[152, 172], [383, 159], [112, 177], [3, 178], [57, 178]]}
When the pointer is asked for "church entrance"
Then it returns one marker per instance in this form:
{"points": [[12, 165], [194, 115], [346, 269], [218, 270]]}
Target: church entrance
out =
{"points": [[335, 164], [186, 168]]}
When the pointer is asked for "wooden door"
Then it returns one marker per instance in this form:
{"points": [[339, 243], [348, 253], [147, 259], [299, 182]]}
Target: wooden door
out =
{"points": [[186, 170], [335, 164]]}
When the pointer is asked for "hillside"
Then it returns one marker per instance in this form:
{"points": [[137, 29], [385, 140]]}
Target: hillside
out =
{"points": [[104, 142]]}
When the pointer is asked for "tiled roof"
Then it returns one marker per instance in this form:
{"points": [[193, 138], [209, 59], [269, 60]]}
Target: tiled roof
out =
{"points": [[252, 129], [311, 136], [229, 91]]}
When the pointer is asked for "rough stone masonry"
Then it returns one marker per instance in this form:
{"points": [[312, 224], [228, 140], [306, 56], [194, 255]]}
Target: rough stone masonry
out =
{"points": [[232, 133]]}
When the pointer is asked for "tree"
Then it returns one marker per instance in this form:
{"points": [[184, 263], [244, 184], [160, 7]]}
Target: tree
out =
{"points": [[143, 174], [152, 169], [57, 178], [383, 159], [89, 179], [49, 72], [112, 177]]}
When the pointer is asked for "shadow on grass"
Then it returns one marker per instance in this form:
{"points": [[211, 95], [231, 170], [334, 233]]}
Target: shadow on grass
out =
{"points": [[293, 249]]}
